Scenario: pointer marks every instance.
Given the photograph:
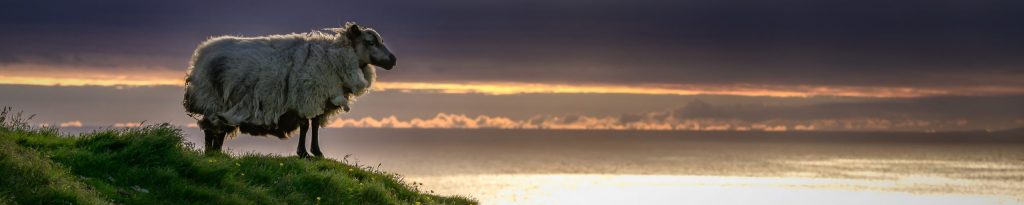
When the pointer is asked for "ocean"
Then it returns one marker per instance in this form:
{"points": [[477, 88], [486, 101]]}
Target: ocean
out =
{"points": [[671, 167]]}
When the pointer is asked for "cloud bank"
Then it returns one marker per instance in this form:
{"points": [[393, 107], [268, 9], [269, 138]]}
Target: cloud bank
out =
{"points": [[702, 116], [581, 122], [106, 106]]}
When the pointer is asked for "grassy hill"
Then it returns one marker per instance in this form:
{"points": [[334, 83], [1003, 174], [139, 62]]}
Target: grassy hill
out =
{"points": [[152, 165]]}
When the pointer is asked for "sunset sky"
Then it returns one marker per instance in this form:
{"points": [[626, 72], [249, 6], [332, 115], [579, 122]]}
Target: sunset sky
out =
{"points": [[740, 65]]}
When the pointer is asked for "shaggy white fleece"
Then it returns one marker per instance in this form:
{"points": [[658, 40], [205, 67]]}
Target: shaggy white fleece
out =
{"points": [[255, 80]]}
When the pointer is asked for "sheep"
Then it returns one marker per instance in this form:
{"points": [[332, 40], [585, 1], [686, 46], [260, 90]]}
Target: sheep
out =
{"points": [[272, 85]]}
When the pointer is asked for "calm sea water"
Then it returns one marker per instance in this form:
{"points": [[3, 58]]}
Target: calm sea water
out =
{"points": [[629, 167]]}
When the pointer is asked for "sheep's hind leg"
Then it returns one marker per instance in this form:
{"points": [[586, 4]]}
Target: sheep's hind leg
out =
{"points": [[218, 141], [208, 141], [315, 144], [211, 141], [214, 135], [303, 127]]}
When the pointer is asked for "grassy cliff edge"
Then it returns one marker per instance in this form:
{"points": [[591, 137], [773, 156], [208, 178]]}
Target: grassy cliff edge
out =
{"points": [[152, 165]]}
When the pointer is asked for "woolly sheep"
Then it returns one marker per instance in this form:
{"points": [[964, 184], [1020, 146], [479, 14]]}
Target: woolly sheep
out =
{"points": [[273, 85]]}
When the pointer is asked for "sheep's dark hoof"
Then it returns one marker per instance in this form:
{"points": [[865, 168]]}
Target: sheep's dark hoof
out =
{"points": [[212, 152], [303, 155], [317, 153]]}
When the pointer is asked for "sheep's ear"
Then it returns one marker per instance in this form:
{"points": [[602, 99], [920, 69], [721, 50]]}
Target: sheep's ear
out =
{"points": [[353, 31]]}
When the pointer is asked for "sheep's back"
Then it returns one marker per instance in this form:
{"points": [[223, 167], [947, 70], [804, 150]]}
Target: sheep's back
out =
{"points": [[239, 80]]}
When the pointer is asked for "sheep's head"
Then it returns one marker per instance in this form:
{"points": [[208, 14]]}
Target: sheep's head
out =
{"points": [[369, 47]]}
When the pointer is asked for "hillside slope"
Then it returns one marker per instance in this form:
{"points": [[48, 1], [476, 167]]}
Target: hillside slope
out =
{"points": [[151, 165]]}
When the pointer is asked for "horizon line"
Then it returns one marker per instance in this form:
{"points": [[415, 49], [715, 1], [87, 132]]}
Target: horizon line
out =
{"points": [[515, 88]]}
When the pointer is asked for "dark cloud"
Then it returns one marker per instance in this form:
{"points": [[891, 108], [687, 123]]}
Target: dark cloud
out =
{"points": [[974, 112], [1003, 108], [873, 42]]}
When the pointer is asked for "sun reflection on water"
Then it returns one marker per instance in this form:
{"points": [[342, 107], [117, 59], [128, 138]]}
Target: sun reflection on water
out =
{"points": [[670, 189]]}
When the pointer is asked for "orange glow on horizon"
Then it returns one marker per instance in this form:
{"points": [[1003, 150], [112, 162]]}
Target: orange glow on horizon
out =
{"points": [[52, 81], [510, 88], [45, 75], [48, 76]]}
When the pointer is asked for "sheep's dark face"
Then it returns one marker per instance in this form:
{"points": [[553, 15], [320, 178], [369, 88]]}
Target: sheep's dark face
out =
{"points": [[370, 47]]}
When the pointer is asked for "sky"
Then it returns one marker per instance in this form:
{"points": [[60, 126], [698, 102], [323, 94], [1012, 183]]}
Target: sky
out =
{"points": [[681, 65]]}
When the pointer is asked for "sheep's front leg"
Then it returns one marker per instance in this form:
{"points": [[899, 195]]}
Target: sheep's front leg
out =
{"points": [[303, 127], [315, 144]]}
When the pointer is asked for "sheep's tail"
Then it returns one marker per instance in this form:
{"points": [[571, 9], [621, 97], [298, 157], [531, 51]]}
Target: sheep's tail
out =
{"points": [[203, 90]]}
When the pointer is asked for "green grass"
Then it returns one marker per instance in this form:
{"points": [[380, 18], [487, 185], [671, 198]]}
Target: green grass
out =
{"points": [[152, 165]]}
